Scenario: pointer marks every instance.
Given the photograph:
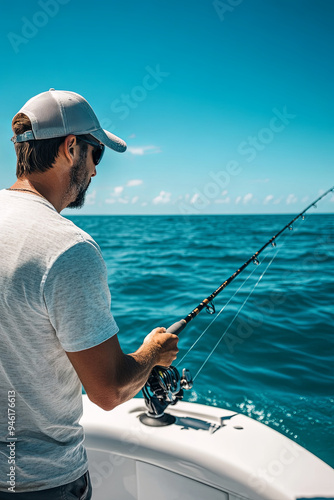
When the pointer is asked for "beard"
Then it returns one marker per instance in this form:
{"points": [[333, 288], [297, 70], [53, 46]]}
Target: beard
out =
{"points": [[79, 180]]}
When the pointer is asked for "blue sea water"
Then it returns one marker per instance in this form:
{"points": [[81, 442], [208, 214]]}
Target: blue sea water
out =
{"points": [[275, 360]]}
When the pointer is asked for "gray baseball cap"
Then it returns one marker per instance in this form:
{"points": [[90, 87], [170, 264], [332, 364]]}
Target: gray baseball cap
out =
{"points": [[58, 113]]}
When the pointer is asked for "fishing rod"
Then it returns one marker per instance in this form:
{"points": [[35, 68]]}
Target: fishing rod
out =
{"points": [[165, 385]]}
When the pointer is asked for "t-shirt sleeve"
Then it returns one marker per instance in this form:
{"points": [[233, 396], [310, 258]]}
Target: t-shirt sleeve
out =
{"points": [[77, 298]]}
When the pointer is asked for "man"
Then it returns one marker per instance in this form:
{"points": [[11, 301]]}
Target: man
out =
{"points": [[56, 328]]}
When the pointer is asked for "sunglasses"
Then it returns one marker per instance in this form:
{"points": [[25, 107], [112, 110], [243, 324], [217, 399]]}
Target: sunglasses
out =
{"points": [[98, 148]]}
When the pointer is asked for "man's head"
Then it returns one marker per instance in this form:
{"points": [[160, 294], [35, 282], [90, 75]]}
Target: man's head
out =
{"points": [[46, 119], [55, 122]]}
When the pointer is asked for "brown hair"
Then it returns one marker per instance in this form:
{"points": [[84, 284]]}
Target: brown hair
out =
{"points": [[35, 155]]}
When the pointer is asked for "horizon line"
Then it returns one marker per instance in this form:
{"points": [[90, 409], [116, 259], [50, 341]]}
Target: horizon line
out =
{"points": [[190, 215]]}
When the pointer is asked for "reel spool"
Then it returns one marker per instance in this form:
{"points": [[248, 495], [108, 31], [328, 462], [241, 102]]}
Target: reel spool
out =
{"points": [[164, 387]]}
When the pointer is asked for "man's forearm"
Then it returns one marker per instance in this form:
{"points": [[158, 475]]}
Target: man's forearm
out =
{"points": [[111, 377], [137, 368]]}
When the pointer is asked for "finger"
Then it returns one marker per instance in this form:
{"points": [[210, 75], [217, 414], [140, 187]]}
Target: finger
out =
{"points": [[160, 329]]}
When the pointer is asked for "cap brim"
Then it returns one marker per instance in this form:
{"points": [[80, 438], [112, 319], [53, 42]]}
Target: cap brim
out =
{"points": [[110, 140]]}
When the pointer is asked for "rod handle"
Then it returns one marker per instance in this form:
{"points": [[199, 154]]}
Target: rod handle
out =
{"points": [[177, 327]]}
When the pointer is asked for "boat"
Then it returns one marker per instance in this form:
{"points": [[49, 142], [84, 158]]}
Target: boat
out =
{"points": [[203, 453]]}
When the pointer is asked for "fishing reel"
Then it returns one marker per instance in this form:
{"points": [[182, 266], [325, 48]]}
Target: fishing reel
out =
{"points": [[164, 387]]}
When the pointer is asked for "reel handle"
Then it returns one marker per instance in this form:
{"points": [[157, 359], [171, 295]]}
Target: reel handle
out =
{"points": [[177, 327]]}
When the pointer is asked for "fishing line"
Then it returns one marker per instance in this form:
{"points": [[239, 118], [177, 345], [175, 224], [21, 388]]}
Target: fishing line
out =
{"points": [[245, 301], [235, 316], [218, 314], [282, 241]]}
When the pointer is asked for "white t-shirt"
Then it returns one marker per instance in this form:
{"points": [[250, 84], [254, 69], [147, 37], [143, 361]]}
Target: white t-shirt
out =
{"points": [[54, 297]]}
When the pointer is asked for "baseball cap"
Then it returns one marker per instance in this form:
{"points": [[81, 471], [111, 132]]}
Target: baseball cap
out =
{"points": [[58, 113]]}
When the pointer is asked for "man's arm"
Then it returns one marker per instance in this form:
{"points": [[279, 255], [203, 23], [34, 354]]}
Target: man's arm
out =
{"points": [[111, 377]]}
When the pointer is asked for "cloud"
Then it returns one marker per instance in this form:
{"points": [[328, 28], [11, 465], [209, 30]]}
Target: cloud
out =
{"points": [[304, 200], [118, 190], [132, 136], [224, 193], [194, 198], [115, 196], [143, 150], [134, 199], [163, 197], [134, 182], [247, 198], [268, 199], [291, 199], [278, 201]]}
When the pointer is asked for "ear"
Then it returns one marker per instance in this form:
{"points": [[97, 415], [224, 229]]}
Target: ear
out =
{"points": [[67, 148]]}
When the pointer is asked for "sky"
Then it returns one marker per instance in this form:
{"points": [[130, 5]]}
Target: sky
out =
{"points": [[226, 106]]}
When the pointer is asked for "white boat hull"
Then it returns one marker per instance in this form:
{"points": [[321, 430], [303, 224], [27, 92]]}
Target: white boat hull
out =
{"points": [[208, 454]]}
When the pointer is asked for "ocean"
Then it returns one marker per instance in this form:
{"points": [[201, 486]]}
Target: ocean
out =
{"points": [[274, 359]]}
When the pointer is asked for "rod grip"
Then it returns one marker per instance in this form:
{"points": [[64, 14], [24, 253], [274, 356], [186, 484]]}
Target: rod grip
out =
{"points": [[177, 327]]}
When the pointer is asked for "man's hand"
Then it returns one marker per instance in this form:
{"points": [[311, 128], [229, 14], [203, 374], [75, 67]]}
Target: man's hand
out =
{"points": [[165, 345]]}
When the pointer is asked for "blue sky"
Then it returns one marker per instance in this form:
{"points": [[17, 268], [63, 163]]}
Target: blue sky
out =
{"points": [[226, 105]]}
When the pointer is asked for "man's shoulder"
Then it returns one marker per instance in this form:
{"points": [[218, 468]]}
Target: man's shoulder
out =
{"points": [[66, 235], [47, 234], [71, 231]]}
